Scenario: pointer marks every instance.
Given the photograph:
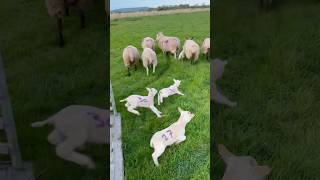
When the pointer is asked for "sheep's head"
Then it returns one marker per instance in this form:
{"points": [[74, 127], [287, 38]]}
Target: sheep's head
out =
{"points": [[241, 167], [159, 35], [176, 82], [151, 91], [186, 116]]}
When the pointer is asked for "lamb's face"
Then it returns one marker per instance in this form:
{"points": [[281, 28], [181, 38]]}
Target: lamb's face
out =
{"points": [[177, 82], [186, 115]]}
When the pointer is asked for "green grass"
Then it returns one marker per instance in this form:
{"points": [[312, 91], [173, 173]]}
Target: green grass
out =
{"points": [[44, 78], [190, 159], [273, 73]]}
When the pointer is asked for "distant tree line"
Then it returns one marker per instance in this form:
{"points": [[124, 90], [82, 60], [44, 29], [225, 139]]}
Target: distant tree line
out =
{"points": [[180, 6]]}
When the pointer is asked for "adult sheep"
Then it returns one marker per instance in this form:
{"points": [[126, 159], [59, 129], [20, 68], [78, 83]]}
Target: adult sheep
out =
{"points": [[190, 49], [130, 57], [59, 8], [206, 47], [168, 44]]}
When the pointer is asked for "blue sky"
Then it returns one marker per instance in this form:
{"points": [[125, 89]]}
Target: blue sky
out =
{"points": [[116, 4]]}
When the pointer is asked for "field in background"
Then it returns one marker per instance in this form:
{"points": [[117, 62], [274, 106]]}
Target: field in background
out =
{"points": [[156, 13], [274, 75], [44, 78], [190, 159]]}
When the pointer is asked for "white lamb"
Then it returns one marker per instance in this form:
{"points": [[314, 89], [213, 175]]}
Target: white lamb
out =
{"points": [[190, 49], [206, 47], [147, 42], [217, 68], [168, 44], [174, 134], [171, 90], [130, 57], [135, 101], [241, 167], [149, 58], [75, 126]]}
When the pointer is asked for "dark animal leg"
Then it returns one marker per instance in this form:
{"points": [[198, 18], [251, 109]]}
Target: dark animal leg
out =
{"points": [[60, 29], [82, 19], [128, 71]]}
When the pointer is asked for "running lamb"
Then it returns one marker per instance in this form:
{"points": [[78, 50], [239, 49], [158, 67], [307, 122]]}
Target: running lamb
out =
{"points": [[171, 90]]}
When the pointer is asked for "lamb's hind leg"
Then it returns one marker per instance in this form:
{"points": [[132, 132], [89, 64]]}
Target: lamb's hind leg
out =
{"points": [[158, 150], [66, 150], [55, 137], [132, 110]]}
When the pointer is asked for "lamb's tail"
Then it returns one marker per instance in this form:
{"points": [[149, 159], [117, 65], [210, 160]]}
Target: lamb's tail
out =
{"points": [[40, 123], [123, 100]]}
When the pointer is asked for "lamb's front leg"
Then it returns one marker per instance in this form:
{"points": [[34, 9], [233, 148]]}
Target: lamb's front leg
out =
{"points": [[180, 93], [181, 139], [156, 111], [132, 110], [66, 150]]}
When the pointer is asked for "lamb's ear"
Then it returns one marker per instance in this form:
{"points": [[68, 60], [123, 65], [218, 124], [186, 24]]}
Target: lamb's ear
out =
{"points": [[174, 80], [224, 153], [179, 109], [263, 170]]}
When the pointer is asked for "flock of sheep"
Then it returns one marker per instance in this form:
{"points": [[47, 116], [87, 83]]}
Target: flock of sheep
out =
{"points": [[167, 44], [175, 133]]}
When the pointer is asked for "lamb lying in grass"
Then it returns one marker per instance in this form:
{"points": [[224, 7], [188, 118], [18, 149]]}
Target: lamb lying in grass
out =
{"points": [[135, 101], [217, 68], [149, 58], [190, 50], [241, 167], [206, 47], [171, 90], [168, 44], [75, 126], [174, 134], [130, 57], [147, 42]]}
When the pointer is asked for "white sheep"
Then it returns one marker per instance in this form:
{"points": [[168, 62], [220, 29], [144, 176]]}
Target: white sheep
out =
{"points": [[171, 90], [174, 134], [75, 126], [190, 49], [135, 101], [149, 58], [217, 68], [206, 47], [147, 42], [241, 167], [130, 57], [168, 44]]}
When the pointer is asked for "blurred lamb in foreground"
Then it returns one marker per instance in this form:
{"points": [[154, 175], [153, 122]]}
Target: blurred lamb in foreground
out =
{"points": [[241, 167], [217, 68], [75, 126]]}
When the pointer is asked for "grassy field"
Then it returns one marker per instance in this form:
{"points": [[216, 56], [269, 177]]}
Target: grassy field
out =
{"points": [[190, 159], [44, 78], [273, 73]]}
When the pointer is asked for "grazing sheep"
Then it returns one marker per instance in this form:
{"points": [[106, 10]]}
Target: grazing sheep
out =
{"points": [[149, 58], [190, 49], [171, 90], [241, 167], [75, 126], [59, 8], [168, 44], [206, 47], [217, 68], [147, 42], [174, 134], [130, 57], [135, 101]]}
